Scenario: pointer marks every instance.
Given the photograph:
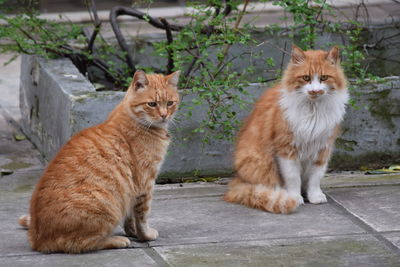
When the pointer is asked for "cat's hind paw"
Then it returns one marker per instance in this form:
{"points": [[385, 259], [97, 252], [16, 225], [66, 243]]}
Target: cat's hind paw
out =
{"points": [[115, 242]]}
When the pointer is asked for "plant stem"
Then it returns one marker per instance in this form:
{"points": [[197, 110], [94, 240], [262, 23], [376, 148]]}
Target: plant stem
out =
{"points": [[237, 23]]}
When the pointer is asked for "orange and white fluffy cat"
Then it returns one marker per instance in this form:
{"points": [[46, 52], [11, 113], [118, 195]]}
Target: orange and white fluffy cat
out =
{"points": [[284, 147], [105, 174]]}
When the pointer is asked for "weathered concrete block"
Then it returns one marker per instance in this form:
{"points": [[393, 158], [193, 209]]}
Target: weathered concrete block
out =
{"points": [[57, 101], [371, 129]]}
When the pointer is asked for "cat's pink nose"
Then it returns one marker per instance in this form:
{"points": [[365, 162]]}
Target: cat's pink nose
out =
{"points": [[163, 117], [316, 92]]}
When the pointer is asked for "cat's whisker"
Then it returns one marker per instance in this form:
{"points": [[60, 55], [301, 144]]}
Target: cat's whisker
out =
{"points": [[149, 126], [174, 123]]}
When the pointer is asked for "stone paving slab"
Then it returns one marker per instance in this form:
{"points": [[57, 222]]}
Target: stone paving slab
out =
{"points": [[209, 219], [376, 206], [14, 239], [20, 181], [188, 190], [117, 258], [355, 179], [326, 251], [394, 238], [16, 155]]}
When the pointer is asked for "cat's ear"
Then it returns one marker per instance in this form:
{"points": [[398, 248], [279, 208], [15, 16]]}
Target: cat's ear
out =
{"points": [[173, 78], [298, 55], [139, 80], [333, 55]]}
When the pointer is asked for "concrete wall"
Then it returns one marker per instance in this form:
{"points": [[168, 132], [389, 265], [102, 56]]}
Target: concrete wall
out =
{"points": [[57, 101], [272, 44]]}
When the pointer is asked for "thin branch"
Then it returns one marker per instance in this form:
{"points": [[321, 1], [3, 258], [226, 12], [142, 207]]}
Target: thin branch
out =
{"points": [[229, 61], [188, 70], [194, 61], [97, 26], [114, 13], [239, 19], [170, 39], [228, 8], [22, 49]]}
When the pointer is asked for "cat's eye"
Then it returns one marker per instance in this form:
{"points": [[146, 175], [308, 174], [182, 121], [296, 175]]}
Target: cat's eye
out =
{"points": [[306, 78], [152, 104], [170, 103], [324, 77]]}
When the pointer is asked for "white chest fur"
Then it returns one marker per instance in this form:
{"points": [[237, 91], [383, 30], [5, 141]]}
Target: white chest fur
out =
{"points": [[313, 121]]}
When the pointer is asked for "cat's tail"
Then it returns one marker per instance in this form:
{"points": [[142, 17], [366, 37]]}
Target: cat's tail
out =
{"points": [[24, 221], [275, 200]]}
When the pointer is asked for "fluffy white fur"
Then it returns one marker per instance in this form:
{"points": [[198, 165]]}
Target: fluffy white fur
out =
{"points": [[291, 174], [312, 122]]}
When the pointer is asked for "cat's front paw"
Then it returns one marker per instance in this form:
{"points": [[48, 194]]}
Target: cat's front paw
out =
{"points": [[317, 197], [130, 230], [299, 199], [150, 235], [129, 227]]}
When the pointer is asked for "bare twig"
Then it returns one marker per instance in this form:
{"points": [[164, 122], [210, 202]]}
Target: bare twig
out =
{"points": [[114, 13], [228, 8], [170, 39], [22, 49], [283, 56], [97, 25], [239, 19], [283, 50], [120, 10], [229, 61]]}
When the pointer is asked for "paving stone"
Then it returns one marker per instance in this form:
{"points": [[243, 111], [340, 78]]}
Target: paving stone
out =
{"points": [[16, 155], [394, 238], [209, 219], [358, 179], [188, 190], [118, 258], [20, 181], [14, 239], [376, 206], [327, 251]]}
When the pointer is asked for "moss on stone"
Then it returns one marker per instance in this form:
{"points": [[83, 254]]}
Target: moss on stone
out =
{"points": [[383, 107], [371, 160], [347, 145], [23, 188], [337, 252], [16, 165], [193, 176]]}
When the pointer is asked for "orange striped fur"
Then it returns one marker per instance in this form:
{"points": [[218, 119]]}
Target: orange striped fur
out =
{"points": [[285, 144], [105, 174]]}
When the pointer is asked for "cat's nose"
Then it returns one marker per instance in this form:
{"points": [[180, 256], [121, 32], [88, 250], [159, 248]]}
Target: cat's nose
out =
{"points": [[163, 117], [316, 92]]}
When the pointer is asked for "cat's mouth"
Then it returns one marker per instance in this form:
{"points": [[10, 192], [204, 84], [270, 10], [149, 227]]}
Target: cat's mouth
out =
{"points": [[314, 94]]}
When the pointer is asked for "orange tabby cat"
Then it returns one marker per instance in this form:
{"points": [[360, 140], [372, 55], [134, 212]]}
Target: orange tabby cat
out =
{"points": [[105, 174], [285, 145]]}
